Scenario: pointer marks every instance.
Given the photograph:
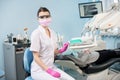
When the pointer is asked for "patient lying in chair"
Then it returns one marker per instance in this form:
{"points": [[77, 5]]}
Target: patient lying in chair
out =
{"points": [[92, 62], [86, 57]]}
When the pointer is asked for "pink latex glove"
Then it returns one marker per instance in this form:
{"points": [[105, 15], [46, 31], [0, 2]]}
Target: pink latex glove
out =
{"points": [[64, 48], [53, 73]]}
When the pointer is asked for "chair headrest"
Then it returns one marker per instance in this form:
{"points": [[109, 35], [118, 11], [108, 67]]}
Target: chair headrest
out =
{"points": [[27, 59]]}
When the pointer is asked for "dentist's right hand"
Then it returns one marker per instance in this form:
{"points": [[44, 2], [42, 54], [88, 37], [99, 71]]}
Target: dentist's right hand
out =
{"points": [[53, 73]]}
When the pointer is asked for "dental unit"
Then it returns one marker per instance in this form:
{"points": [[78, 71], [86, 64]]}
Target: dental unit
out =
{"points": [[90, 40]]}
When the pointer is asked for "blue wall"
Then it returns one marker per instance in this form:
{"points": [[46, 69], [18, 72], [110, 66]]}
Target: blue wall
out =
{"points": [[17, 14]]}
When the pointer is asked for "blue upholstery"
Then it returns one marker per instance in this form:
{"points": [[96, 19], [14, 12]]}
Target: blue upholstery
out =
{"points": [[27, 59]]}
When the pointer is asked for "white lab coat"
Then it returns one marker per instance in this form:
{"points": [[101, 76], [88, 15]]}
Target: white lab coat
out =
{"points": [[41, 43]]}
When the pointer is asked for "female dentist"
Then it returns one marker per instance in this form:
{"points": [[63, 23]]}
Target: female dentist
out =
{"points": [[44, 48]]}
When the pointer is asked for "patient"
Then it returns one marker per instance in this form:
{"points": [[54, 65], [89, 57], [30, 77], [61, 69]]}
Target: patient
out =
{"points": [[97, 57], [87, 57]]}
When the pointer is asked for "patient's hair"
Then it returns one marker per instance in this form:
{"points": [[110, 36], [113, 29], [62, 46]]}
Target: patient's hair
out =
{"points": [[42, 9]]}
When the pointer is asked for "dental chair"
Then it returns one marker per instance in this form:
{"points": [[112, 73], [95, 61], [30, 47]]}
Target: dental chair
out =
{"points": [[27, 59], [92, 71]]}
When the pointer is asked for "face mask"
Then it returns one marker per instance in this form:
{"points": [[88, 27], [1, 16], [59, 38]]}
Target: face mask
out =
{"points": [[45, 22]]}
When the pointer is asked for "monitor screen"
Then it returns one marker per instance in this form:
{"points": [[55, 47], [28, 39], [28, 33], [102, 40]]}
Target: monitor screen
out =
{"points": [[90, 9]]}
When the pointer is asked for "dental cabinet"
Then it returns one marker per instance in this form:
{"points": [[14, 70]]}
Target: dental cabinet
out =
{"points": [[13, 61]]}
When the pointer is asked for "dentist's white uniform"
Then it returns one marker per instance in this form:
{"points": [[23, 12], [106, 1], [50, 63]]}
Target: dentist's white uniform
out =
{"points": [[41, 43]]}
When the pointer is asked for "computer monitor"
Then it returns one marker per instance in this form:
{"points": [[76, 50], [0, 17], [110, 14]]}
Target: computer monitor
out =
{"points": [[90, 9]]}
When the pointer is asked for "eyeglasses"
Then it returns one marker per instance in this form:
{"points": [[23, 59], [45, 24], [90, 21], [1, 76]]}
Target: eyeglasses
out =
{"points": [[44, 16]]}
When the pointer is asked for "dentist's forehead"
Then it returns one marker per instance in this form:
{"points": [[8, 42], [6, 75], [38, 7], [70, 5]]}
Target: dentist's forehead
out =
{"points": [[43, 13]]}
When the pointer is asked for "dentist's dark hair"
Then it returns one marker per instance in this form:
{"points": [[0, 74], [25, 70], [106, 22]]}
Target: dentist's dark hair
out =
{"points": [[42, 9]]}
